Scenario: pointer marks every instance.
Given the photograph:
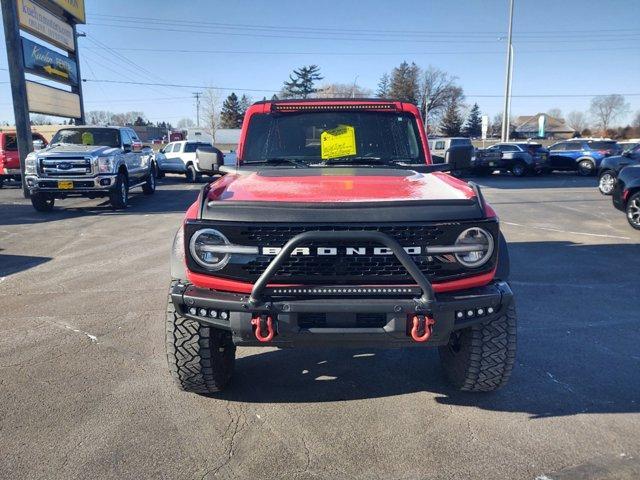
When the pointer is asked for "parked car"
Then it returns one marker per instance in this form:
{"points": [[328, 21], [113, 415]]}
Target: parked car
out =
{"points": [[626, 194], [582, 154], [629, 144], [338, 234], [180, 157], [89, 162], [519, 158], [9, 158], [610, 168]]}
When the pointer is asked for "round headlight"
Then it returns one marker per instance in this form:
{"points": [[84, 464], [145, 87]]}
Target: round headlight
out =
{"points": [[476, 257], [203, 249]]}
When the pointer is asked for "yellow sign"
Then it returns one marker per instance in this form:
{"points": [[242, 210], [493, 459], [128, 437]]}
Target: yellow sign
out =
{"points": [[54, 71], [338, 142], [74, 7], [45, 25]]}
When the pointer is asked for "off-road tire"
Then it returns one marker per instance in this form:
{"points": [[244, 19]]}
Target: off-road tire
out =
{"points": [[192, 174], [201, 359], [42, 202], [118, 198], [480, 358], [149, 186]]}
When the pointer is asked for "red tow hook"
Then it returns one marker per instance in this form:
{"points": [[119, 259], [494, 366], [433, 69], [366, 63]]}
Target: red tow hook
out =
{"points": [[422, 323], [263, 323]]}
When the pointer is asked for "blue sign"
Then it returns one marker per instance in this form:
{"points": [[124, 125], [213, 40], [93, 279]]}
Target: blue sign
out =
{"points": [[43, 61]]}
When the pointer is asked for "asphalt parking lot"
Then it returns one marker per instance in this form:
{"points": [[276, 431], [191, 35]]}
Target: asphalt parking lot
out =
{"points": [[85, 391]]}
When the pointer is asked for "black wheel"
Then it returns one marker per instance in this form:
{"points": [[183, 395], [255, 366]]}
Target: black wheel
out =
{"points": [[480, 358], [519, 169], [201, 359], [150, 185], [633, 211], [606, 183], [192, 174], [119, 196], [42, 202], [586, 168]]}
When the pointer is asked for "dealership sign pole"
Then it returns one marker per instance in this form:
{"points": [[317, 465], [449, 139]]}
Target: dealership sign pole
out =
{"points": [[53, 21]]}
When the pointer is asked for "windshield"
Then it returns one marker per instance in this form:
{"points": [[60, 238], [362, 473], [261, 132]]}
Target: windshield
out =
{"points": [[314, 137], [104, 137]]}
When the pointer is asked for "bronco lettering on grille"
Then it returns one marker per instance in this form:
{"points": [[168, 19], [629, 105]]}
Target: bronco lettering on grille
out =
{"points": [[334, 251]]}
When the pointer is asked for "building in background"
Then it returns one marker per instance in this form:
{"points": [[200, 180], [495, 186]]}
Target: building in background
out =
{"points": [[527, 126]]}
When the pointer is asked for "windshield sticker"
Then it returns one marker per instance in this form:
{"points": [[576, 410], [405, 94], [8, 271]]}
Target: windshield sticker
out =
{"points": [[338, 142], [87, 138]]}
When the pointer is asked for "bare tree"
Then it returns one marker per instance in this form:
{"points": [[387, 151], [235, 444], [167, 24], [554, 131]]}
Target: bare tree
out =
{"points": [[438, 91], [555, 113], [577, 121], [606, 109], [342, 90], [99, 117], [211, 111], [185, 123], [636, 120]]}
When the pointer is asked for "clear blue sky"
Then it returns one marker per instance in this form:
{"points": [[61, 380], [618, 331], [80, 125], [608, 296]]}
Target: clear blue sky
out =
{"points": [[562, 47]]}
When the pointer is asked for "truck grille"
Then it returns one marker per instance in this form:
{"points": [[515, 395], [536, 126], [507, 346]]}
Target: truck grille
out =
{"points": [[65, 166], [342, 268]]}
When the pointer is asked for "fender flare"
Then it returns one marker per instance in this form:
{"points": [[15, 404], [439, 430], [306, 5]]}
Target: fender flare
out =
{"points": [[177, 260], [503, 269]]}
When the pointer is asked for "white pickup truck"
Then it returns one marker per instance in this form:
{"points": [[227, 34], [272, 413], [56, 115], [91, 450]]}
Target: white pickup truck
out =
{"points": [[179, 157]]}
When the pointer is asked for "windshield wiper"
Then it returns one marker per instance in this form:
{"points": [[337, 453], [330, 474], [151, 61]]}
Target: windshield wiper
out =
{"points": [[279, 160]]}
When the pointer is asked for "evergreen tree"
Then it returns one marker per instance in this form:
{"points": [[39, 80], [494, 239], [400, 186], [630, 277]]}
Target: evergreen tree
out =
{"points": [[301, 82], [383, 86], [473, 126], [451, 121], [405, 84], [231, 114]]}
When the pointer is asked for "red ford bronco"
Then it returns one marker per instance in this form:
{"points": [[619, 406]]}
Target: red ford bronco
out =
{"points": [[335, 229]]}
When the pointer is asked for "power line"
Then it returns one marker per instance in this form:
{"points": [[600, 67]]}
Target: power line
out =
{"points": [[237, 89], [376, 38]]}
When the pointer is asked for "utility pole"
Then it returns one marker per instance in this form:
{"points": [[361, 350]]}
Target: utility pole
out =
{"points": [[197, 97], [18, 85], [353, 89], [507, 83], [78, 89]]}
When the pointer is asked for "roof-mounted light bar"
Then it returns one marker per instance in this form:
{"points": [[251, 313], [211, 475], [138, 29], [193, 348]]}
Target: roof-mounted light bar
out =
{"points": [[283, 107]]}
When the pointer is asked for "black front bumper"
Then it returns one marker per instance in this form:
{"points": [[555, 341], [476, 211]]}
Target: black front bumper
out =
{"points": [[291, 314]]}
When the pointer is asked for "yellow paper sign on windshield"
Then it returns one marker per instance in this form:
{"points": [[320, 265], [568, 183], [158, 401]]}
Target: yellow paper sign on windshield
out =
{"points": [[338, 142], [87, 138]]}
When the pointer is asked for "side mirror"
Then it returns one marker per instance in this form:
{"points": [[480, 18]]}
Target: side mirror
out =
{"points": [[459, 157], [209, 159], [38, 145]]}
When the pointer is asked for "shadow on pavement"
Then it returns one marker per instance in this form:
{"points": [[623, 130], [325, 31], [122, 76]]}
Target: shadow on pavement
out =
{"points": [[170, 197], [577, 346], [10, 264]]}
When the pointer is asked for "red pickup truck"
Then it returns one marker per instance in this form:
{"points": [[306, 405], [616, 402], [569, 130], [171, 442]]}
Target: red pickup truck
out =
{"points": [[335, 229], [9, 158]]}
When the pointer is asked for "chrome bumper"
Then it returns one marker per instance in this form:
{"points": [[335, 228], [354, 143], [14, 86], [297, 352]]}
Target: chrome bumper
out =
{"points": [[80, 184]]}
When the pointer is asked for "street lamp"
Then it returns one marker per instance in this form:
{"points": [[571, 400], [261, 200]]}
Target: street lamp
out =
{"points": [[507, 83]]}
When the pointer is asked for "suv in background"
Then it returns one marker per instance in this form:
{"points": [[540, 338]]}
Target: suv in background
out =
{"points": [[89, 162], [442, 147], [610, 168], [180, 157], [9, 157], [520, 158], [581, 154]]}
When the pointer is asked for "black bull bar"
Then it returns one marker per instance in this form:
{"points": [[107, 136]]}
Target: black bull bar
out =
{"points": [[251, 318]]}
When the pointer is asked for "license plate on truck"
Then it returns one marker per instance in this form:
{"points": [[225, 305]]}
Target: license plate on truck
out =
{"points": [[65, 185]]}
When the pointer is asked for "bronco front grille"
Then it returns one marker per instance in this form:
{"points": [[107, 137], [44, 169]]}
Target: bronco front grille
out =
{"points": [[342, 268]]}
